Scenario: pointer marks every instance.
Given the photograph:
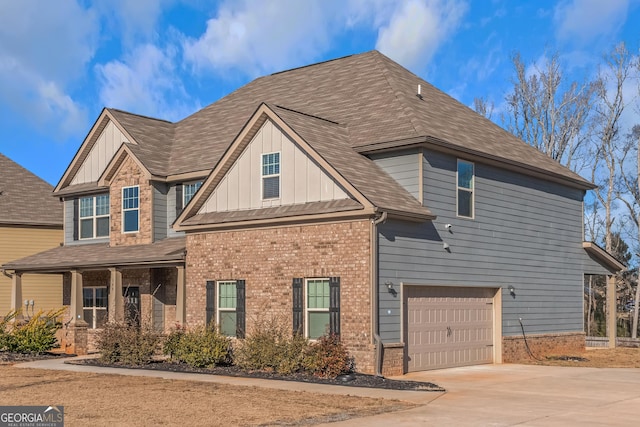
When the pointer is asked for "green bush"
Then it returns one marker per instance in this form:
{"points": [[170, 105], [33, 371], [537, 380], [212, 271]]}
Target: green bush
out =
{"points": [[327, 357], [37, 335], [271, 347], [119, 343], [201, 347]]}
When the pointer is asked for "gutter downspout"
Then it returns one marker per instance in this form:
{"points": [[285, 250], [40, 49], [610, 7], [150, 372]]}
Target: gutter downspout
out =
{"points": [[374, 291]]}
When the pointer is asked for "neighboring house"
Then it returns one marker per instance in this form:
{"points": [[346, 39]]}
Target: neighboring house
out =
{"points": [[348, 196], [30, 222]]}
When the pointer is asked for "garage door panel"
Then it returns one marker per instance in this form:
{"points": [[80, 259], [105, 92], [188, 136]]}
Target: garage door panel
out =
{"points": [[449, 327]]}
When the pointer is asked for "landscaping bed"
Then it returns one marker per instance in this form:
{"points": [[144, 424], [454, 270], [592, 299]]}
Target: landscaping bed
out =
{"points": [[350, 380], [9, 358]]}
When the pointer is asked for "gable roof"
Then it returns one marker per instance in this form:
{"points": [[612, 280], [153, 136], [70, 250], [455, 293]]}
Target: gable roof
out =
{"points": [[26, 199]]}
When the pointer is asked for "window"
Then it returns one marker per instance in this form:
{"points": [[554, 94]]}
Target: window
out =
{"points": [[271, 176], [465, 189], [95, 306], [316, 306], [227, 310], [94, 216], [189, 190], [130, 209], [227, 303]]}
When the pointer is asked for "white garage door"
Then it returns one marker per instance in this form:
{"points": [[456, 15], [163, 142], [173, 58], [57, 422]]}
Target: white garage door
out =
{"points": [[448, 327]]}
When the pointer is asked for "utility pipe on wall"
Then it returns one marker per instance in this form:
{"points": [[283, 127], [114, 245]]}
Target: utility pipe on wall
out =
{"points": [[375, 292]]}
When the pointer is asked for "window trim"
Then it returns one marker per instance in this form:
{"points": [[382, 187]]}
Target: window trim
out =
{"points": [[220, 310], [263, 176], [308, 310], [185, 185], [471, 190], [94, 216], [93, 307], [137, 209]]}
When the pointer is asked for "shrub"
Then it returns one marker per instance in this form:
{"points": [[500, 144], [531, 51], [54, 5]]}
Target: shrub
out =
{"points": [[201, 347], [120, 343], [327, 357], [271, 347], [37, 335]]}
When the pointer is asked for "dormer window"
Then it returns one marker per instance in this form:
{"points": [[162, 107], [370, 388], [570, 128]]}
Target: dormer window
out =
{"points": [[94, 217], [271, 176]]}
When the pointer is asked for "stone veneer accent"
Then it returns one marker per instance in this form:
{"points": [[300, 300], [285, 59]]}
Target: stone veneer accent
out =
{"points": [[130, 174], [269, 259], [542, 345]]}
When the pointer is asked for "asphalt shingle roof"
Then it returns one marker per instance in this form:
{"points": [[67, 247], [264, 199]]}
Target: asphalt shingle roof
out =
{"points": [[26, 199]]}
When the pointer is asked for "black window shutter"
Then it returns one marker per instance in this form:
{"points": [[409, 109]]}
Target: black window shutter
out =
{"points": [[75, 218], [298, 307], [178, 200], [211, 301], [240, 308], [334, 305]]}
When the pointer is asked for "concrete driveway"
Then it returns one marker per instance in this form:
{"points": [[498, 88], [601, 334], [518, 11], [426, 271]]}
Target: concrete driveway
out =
{"points": [[507, 395]]}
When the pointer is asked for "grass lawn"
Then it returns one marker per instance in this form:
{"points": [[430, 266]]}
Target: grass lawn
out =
{"points": [[620, 357]]}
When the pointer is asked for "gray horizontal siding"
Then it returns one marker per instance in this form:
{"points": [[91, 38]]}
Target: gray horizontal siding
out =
{"points": [[526, 233], [68, 228], [171, 212], [160, 226], [403, 167]]}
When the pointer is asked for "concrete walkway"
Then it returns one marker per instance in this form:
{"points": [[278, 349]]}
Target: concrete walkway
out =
{"points": [[487, 395]]}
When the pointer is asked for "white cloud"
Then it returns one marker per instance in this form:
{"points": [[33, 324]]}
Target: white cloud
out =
{"points": [[43, 47], [145, 82], [256, 37], [133, 19], [583, 21], [417, 29]]}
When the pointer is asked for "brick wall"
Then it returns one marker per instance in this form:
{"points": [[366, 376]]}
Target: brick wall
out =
{"points": [[562, 344], [129, 175], [269, 259]]}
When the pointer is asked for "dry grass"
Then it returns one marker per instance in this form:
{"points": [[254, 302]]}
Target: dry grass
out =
{"points": [[118, 400], [600, 358]]}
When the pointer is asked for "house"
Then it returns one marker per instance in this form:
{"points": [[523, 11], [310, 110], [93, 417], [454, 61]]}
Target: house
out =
{"points": [[30, 222], [348, 196]]}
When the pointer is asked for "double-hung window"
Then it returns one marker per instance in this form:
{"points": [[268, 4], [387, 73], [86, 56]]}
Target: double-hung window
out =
{"points": [[227, 304], [95, 306], [317, 308], [189, 190], [465, 189], [131, 209], [271, 176], [94, 216]]}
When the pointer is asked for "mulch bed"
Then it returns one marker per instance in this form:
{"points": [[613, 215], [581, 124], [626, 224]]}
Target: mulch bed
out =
{"points": [[10, 357], [351, 380]]}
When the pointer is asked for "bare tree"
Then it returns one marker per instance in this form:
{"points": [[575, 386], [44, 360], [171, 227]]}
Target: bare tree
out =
{"points": [[483, 107], [547, 113], [630, 178]]}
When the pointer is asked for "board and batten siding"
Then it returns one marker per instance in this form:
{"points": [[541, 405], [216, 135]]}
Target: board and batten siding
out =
{"points": [[301, 179], [44, 289], [100, 155], [526, 233]]}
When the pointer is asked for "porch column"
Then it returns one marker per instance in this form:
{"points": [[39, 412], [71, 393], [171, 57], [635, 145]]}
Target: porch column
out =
{"points": [[181, 308], [16, 294], [612, 311], [75, 309], [116, 303]]}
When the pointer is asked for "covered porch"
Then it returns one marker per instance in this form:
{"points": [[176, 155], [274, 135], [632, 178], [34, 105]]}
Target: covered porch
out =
{"points": [[143, 285]]}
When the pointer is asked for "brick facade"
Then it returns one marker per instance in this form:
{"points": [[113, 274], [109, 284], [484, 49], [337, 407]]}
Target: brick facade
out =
{"points": [[130, 174], [269, 259], [561, 344]]}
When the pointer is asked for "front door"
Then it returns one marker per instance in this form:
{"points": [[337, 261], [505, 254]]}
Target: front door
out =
{"points": [[132, 305]]}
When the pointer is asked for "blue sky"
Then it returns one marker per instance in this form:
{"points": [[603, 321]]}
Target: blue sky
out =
{"points": [[62, 61]]}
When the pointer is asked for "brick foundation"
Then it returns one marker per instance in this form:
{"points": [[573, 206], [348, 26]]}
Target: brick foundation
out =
{"points": [[514, 349], [269, 259]]}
